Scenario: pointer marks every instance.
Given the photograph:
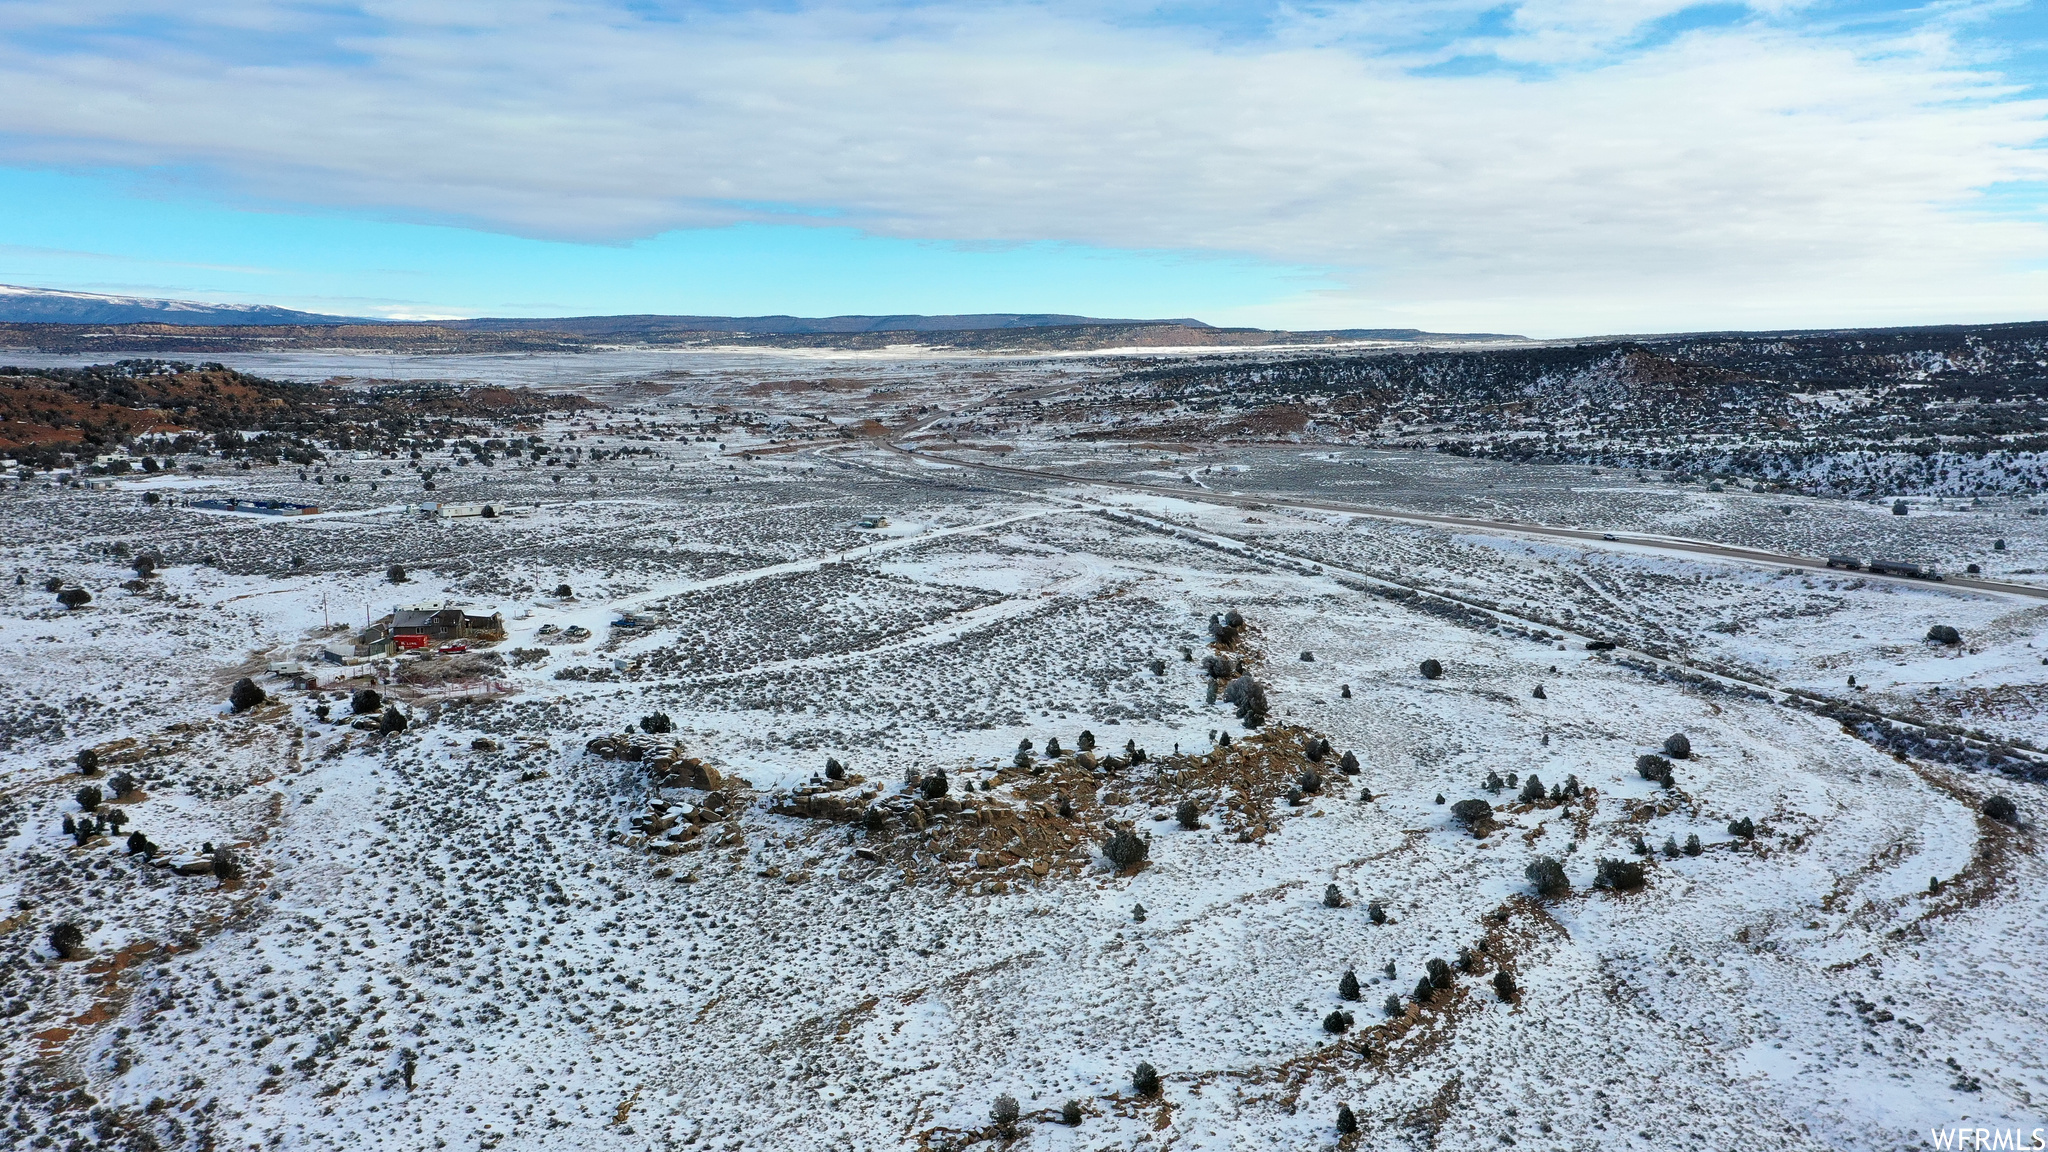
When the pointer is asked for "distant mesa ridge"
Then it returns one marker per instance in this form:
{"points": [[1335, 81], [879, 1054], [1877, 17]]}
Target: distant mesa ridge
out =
{"points": [[20, 305], [791, 325]]}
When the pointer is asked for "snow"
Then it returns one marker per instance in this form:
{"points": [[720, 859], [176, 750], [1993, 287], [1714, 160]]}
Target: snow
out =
{"points": [[493, 912]]}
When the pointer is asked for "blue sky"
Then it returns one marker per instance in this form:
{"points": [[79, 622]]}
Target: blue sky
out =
{"points": [[1551, 167]]}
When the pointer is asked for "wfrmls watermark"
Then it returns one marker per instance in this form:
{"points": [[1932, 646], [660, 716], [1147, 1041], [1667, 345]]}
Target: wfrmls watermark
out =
{"points": [[1967, 1139]]}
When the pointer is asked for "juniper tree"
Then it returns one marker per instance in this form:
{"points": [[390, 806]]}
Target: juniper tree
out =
{"points": [[934, 785], [1347, 1123], [1377, 912], [67, 940], [1392, 1007], [1070, 1113], [1052, 748], [1654, 767], [1126, 849], [1086, 743], [74, 597], [392, 721], [1504, 985], [1572, 788], [246, 695], [834, 770], [1145, 1078], [1189, 814], [1347, 985], [396, 574], [1618, 874], [137, 842], [1422, 991], [1548, 877], [1431, 669], [1344, 690], [88, 762], [1332, 896], [365, 701], [226, 864], [1671, 847], [1692, 845], [88, 797], [1465, 959], [1311, 782], [1337, 1021], [1745, 828], [1532, 790], [2000, 808], [1493, 782], [1349, 764], [1678, 746], [657, 724], [1439, 974], [1004, 1114]]}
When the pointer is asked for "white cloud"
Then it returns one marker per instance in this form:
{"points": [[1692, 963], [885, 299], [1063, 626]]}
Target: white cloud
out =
{"points": [[1748, 170]]}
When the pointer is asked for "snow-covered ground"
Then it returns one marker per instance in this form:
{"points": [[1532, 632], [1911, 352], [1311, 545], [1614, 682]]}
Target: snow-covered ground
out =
{"points": [[472, 933]]}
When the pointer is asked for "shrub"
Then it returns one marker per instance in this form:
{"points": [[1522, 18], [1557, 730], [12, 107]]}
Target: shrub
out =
{"points": [[1349, 764], [67, 940], [1943, 634], [1346, 1122], [564, 592], [1548, 877], [1344, 690], [1671, 847], [88, 797], [74, 597], [1337, 1022], [226, 864], [392, 721], [1392, 1007], [1532, 790], [1431, 669], [1310, 783], [1651, 766], [1472, 812], [1004, 1113], [1493, 782], [657, 724], [53, 584], [1678, 746], [1070, 1113], [124, 785], [1249, 697], [1571, 785], [1138, 913], [1145, 1078], [1423, 990], [1538, 693], [1332, 897], [1376, 912], [1126, 849], [1439, 974], [1052, 748], [1466, 959], [1744, 828], [2000, 808], [246, 695], [1692, 844], [1189, 814], [366, 701], [137, 842], [1504, 985], [1618, 874], [934, 785], [1347, 985], [834, 770], [396, 574]]}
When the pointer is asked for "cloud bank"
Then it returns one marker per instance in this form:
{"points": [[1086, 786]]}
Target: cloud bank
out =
{"points": [[1622, 162]]}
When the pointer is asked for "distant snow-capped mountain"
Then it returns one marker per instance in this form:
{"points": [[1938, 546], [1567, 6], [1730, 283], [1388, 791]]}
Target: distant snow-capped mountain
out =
{"points": [[48, 306]]}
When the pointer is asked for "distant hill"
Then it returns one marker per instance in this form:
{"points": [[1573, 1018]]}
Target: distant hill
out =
{"points": [[49, 306], [648, 325]]}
